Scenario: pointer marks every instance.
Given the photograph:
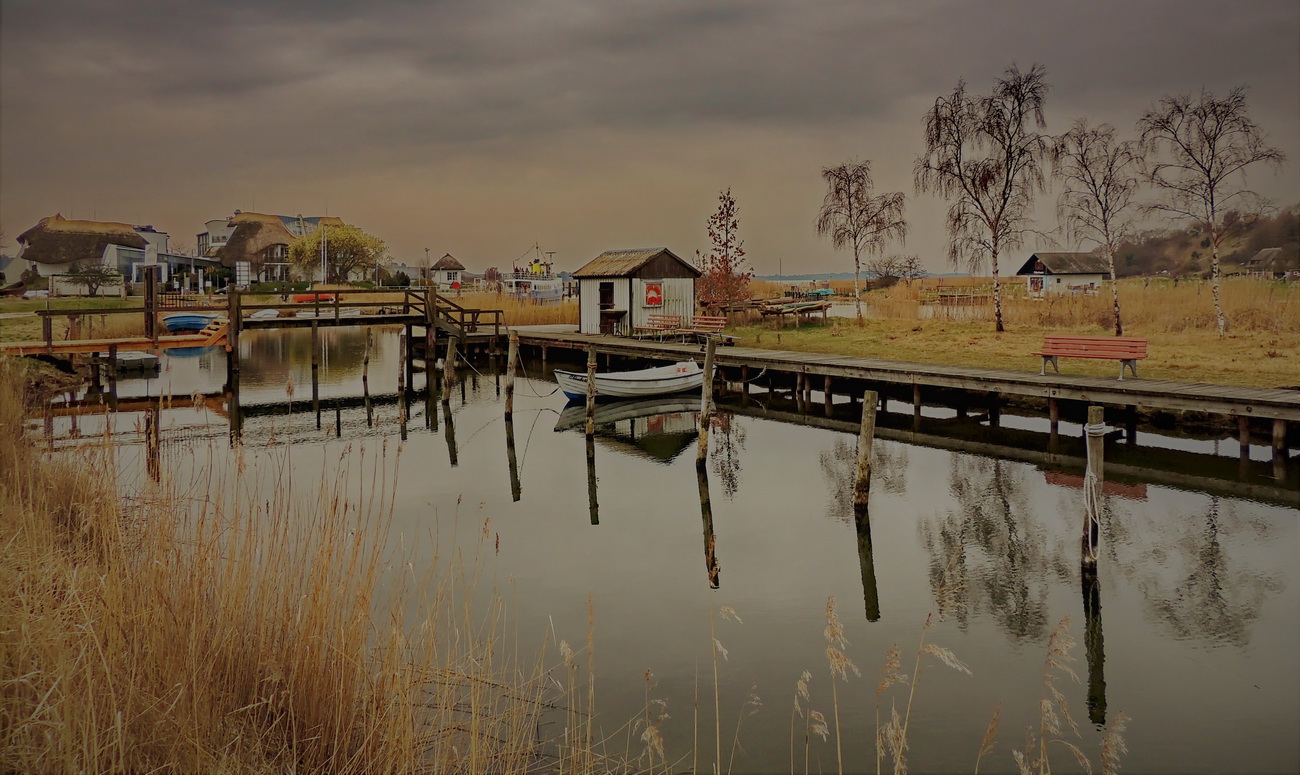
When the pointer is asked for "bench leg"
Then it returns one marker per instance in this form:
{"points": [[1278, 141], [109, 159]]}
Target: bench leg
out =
{"points": [[1056, 364], [1131, 365]]}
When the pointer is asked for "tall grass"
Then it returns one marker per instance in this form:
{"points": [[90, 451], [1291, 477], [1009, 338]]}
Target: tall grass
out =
{"points": [[1158, 306], [244, 633]]}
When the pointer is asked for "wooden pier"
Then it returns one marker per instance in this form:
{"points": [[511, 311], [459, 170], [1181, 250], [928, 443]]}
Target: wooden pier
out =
{"points": [[818, 371]]}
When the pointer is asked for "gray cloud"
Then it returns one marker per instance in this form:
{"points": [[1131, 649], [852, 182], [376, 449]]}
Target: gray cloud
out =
{"points": [[191, 109]]}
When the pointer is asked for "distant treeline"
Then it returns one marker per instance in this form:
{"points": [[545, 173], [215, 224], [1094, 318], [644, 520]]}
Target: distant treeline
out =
{"points": [[1186, 252]]}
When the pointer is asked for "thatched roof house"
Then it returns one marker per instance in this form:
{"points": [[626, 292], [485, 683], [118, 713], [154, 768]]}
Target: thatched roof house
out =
{"points": [[56, 243], [448, 262], [261, 239]]}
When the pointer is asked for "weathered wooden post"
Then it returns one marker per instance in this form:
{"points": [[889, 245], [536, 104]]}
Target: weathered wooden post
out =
{"points": [[151, 303], [512, 354], [866, 437], [591, 391], [47, 333], [449, 371], [315, 369], [827, 397], [1092, 486], [706, 404], [111, 367], [401, 385], [593, 504], [233, 305]]}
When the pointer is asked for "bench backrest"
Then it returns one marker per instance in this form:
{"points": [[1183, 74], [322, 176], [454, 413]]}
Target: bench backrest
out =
{"points": [[663, 321], [1095, 346], [708, 323]]}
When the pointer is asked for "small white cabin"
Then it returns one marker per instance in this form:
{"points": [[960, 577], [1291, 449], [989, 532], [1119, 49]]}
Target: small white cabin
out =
{"points": [[619, 289], [1052, 273]]}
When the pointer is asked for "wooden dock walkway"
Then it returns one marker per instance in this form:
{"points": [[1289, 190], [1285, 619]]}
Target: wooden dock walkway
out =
{"points": [[1164, 395]]}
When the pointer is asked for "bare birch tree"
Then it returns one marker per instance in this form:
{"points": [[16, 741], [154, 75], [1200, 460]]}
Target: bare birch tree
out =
{"points": [[984, 155], [1101, 178], [856, 219], [1207, 144]]}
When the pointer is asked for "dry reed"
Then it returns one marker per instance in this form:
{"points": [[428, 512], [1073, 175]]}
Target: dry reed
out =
{"points": [[238, 633]]}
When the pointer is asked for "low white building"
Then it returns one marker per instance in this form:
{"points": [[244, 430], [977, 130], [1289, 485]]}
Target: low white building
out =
{"points": [[1052, 273], [619, 289], [447, 273]]}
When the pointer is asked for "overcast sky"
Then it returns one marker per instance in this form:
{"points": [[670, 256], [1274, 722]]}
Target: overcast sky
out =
{"points": [[480, 128]]}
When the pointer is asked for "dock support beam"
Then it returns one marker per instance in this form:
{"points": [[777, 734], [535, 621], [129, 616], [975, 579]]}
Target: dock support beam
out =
{"points": [[315, 371]]}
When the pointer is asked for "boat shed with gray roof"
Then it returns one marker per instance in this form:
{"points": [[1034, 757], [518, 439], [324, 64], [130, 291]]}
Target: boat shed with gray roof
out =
{"points": [[1047, 273], [619, 290]]}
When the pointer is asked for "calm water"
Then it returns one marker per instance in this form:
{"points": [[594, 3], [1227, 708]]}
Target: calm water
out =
{"points": [[1193, 630]]}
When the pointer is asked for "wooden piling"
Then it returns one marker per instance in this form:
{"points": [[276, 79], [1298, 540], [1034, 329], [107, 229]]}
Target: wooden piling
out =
{"points": [[401, 385], [449, 371], [516, 488], [706, 404], [1095, 431], [512, 354], [866, 437], [591, 392]]}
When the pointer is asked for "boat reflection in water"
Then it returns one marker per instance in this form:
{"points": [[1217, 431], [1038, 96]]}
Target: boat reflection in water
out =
{"points": [[656, 428]]}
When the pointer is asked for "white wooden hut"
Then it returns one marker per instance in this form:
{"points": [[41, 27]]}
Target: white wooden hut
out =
{"points": [[1049, 273], [619, 289]]}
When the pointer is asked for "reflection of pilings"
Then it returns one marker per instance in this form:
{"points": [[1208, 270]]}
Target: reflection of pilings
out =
{"points": [[365, 378], [153, 441], [706, 405], [867, 562], [450, 433], [1095, 647], [516, 489], [315, 369], [232, 408], [706, 515], [591, 478], [1092, 494], [338, 422]]}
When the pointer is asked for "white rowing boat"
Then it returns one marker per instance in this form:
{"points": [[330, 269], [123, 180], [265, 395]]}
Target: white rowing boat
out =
{"points": [[643, 383]]}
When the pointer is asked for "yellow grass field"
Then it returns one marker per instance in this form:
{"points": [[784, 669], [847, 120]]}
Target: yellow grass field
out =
{"points": [[1262, 347]]}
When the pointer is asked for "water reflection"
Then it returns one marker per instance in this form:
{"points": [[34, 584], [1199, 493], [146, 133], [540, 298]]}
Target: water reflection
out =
{"points": [[1000, 550], [1215, 599]]}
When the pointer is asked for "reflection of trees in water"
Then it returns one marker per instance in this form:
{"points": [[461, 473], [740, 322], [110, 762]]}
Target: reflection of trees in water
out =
{"points": [[1214, 598], [728, 438], [277, 353], [840, 466], [989, 554]]}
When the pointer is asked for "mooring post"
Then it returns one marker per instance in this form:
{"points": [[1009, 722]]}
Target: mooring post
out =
{"points": [[995, 409], [591, 392], [232, 334], [1243, 435], [449, 371], [512, 353], [866, 437], [706, 404], [744, 380], [365, 365], [111, 367], [1130, 424], [401, 385], [1279, 438], [1092, 485], [827, 397], [450, 433]]}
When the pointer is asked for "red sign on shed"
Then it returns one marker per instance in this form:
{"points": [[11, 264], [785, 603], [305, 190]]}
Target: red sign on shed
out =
{"points": [[654, 294]]}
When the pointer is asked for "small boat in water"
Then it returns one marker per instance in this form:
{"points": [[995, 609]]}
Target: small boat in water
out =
{"points": [[642, 383], [187, 321]]}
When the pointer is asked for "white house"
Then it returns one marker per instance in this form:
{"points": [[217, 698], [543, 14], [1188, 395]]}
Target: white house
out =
{"points": [[447, 273], [1050, 273]]}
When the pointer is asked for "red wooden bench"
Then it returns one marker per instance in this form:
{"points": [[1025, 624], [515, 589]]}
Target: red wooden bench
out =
{"points": [[1127, 350], [658, 326], [705, 327]]}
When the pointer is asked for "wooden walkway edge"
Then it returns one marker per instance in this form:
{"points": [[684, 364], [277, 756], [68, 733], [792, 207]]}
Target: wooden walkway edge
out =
{"points": [[1265, 403]]}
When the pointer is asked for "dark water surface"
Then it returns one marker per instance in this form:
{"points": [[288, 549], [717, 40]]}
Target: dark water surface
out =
{"points": [[1192, 630]]}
